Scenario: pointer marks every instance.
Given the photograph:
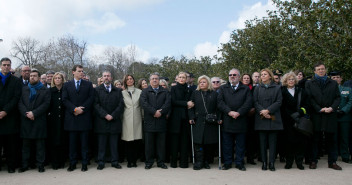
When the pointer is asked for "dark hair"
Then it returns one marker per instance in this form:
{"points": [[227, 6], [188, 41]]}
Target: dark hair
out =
{"points": [[74, 68], [50, 72], [318, 64], [125, 80], [5, 59], [139, 84], [300, 71], [250, 78], [36, 71]]}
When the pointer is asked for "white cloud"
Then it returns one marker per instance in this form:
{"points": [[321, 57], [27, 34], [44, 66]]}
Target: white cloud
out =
{"points": [[248, 12]]}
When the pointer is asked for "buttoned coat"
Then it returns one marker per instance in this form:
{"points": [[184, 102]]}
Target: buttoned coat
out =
{"points": [[10, 94], [345, 103], [320, 97], [72, 99], [37, 128], [239, 100], [56, 117], [108, 103], [132, 116], [152, 101], [268, 98], [180, 95]]}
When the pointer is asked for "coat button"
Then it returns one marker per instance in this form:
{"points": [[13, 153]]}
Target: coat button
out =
{"points": [[59, 98], [59, 107], [59, 116]]}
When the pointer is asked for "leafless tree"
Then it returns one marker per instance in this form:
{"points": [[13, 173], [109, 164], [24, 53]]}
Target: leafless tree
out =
{"points": [[27, 50]]}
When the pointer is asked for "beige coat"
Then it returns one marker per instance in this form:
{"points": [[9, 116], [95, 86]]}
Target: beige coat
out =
{"points": [[132, 116]]}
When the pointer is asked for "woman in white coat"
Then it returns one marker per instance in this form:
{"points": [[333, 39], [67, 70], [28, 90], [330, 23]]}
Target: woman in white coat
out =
{"points": [[132, 120]]}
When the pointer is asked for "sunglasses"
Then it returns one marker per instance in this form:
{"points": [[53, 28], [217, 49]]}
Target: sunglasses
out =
{"points": [[13, 73], [232, 74], [216, 82]]}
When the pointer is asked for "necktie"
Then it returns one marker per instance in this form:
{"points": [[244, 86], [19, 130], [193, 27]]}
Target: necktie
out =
{"points": [[155, 90], [108, 88], [77, 86]]}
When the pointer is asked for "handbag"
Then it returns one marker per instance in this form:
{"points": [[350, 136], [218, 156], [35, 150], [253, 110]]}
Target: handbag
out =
{"points": [[302, 124], [209, 118]]}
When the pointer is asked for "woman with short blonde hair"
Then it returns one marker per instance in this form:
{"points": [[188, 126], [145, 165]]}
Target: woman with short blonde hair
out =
{"points": [[289, 76], [210, 87]]}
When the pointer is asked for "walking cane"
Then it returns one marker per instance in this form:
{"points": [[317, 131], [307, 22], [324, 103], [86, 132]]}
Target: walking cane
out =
{"points": [[219, 150], [192, 142]]}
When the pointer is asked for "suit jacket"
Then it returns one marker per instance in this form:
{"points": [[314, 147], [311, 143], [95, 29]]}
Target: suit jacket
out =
{"points": [[72, 99], [36, 129]]}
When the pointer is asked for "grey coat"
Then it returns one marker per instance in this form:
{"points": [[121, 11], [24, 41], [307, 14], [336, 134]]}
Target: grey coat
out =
{"points": [[268, 98]]}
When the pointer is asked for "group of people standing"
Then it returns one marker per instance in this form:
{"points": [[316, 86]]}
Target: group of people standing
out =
{"points": [[250, 112]]}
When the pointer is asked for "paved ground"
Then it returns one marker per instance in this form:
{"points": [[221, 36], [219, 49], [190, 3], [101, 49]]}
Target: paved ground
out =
{"points": [[253, 175]]}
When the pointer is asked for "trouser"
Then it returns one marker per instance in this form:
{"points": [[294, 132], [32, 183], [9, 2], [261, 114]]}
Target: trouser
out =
{"points": [[344, 133], [331, 141], [228, 140], [10, 145], [26, 151], [295, 149], [252, 144], [154, 147], [203, 153], [266, 137], [102, 142], [82, 136], [132, 149], [179, 143]]}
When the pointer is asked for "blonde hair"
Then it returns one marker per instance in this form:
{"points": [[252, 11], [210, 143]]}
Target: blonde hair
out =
{"points": [[287, 76], [180, 73], [53, 81], [117, 81], [269, 72], [210, 87], [163, 81]]}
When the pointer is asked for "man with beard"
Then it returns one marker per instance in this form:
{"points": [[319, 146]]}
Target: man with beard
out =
{"points": [[109, 107], [33, 106], [9, 124]]}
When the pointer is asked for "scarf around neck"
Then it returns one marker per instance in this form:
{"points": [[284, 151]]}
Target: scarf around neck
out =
{"points": [[321, 79], [33, 90], [4, 77]]}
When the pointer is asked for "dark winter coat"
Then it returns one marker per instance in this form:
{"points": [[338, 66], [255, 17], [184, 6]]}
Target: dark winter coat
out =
{"points": [[36, 129], [320, 97], [72, 99], [56, 117], [10, 94], [268, 98], [203, 132], [151, 102], [180, 95], [239, 100], [108, 103]]}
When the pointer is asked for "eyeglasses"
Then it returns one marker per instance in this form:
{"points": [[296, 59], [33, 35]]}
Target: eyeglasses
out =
{"points": [[216, 82], [13, 73], [232, 74]]}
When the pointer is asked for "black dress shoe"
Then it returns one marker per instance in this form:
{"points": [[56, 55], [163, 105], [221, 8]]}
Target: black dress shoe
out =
{"points": [[173, 164], [240, 167], [23, 169], [129, 165], [197, 166], [226, 166], [71, 168], [148, 166], [271, 167], [206, 165], [162, 165], [117, 166], [288, 166], [134, 165], [84, 168], [41, 169], [264, 166], [11, 170], [300, 166], [100, 167]]}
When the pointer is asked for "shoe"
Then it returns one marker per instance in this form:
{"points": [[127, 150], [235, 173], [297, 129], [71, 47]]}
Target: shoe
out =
{"points": [[264, 166], [271, 167], [129, 165], [347, 161], [183, 165], [41, 169], [226, 166], [134, 165], [313, 165], [240, 167], [300, 166], [197, 166], [84, 168], [100, 167], [335, 166], [206, 165], [148, 166], [173, 164], [288, 166], [117, 166], [251, 161], [162, 165], [23, 169], [71, 168], [11, 170]]}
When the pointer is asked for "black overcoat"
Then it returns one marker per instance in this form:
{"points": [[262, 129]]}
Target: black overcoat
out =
{"points": [[180, 95], [36, 129], [152, 101], [239, 100], [204, 133], [56, 117], [320, 97], [108, 103], [72, 99], [10, 94]]}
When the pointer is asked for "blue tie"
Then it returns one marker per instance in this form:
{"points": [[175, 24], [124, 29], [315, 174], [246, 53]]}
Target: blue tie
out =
{"points": [[77, 86]]}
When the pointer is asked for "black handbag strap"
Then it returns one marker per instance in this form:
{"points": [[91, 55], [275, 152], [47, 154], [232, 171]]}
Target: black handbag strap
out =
{"points": [[206, 111]]}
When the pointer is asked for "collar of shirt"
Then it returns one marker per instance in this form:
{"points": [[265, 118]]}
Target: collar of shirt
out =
{"points": [[77, 80]]}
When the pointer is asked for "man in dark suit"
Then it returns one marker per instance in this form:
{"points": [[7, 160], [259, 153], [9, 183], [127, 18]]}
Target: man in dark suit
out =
{"points": [[25, 71], [108, 108], [33, 106], [9, 124], [156, 103], [78, 98]]}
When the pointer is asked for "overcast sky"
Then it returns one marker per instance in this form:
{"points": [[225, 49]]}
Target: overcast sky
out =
{"points": [[157, 28]]}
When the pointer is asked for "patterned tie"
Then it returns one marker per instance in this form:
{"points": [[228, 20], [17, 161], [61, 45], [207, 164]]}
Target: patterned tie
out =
{"points": [[108, 88], [77, 86]]}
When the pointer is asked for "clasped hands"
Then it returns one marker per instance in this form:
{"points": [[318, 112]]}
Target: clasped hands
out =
{"points": [[78, 110], [265, 114], [326, 110]]}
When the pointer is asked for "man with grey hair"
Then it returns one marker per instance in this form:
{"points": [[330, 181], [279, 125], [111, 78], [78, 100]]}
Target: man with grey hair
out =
{"points": [[25, 72], [49, 77], [234, 101], [156, 103], [215, 81], [43, 78]]}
